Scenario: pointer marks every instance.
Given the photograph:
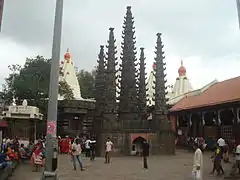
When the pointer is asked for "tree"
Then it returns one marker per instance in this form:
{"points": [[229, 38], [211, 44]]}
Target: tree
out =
{"points": [[31, 82], [86, 81]]}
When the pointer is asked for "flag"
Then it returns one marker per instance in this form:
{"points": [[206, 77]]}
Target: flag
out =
{"points": [[1, 13], [238, 10]]}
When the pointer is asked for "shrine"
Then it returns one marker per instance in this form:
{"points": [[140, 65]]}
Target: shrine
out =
{"points": [[21, 121], [75, 116]]}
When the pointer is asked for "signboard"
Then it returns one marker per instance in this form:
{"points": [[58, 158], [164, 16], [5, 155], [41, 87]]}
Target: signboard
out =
{"points": [[51, 128]]}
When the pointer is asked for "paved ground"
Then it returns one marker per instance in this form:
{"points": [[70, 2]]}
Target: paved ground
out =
{"points": [[125, 168]]}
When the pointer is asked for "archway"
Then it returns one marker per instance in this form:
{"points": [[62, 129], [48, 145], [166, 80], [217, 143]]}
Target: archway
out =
{"points": [[137, 146]]}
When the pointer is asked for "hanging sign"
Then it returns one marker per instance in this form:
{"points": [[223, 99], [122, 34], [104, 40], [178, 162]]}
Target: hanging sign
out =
{"points": [[51, 128]]}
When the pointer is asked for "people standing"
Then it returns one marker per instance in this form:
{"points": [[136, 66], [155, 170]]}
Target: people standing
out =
{"points": [[92, 149], [197, 163], [236, 165], [108, 150], [145, 154], [87, 147], [76, 155]]}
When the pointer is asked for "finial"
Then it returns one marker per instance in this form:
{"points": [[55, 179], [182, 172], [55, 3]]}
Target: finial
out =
{"points": [[102, 46], [142, 48], [67, 56], [181, 62], [159, 34], [111, 28], [128, 7]]}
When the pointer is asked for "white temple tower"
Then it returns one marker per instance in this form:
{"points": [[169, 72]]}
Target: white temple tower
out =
{"points": [[68, 73], [181, 86]]}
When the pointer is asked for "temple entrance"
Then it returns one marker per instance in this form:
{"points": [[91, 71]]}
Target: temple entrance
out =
{"points": [[137, 146]]}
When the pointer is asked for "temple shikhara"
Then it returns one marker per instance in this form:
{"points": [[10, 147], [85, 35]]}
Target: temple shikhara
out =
{"points": [[68, 74], [182, 86]]}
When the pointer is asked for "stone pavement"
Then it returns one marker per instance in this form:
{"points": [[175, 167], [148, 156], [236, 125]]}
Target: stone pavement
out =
{"points": [[125, 168]]}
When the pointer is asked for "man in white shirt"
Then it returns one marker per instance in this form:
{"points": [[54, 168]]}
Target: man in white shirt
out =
{"points": [[108, 150], [197, 163], [87, 147]]}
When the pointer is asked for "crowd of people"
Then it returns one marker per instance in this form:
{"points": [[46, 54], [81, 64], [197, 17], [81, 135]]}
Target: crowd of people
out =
{"points": [[221, 152], [13, 150]]}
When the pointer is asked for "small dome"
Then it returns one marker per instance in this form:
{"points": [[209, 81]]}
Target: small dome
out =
{"points": [[182, 70], [67, 55]]}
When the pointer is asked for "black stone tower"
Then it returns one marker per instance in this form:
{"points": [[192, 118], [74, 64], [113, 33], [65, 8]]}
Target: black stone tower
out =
{"points": [[99, 97], [165, 136], [160, 88], [110, 121], [142, 97], [128, 110]]}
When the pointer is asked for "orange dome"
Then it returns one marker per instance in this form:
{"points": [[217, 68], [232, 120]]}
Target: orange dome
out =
{"points": [[182, 70], [67, 55]]}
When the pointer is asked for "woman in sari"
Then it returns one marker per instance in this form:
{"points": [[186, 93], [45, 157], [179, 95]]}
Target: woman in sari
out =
{"points": [[37, 157]]}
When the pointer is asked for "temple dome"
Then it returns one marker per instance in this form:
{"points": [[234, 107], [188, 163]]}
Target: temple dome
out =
{"points": [[182, 70], [67, 55]]}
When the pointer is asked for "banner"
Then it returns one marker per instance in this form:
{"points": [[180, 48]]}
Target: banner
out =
{"points": [[1, 13]]}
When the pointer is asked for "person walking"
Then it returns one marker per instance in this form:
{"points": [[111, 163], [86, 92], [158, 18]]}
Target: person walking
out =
{"points": [[145, 154], [92, 149], [76, 151], [87, 147], [108, 150], [197, 163]]}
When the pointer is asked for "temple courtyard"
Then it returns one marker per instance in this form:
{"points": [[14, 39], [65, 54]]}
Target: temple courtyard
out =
{"points": [[126, 168]]}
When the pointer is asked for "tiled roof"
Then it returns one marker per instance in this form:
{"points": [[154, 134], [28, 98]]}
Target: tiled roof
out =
{"points": [[219, 93]]}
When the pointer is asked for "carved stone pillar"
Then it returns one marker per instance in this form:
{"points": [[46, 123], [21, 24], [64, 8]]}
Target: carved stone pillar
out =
{"points": [[235, 114], [189, 124], [218, 122], [201, 119], [194, 125]]}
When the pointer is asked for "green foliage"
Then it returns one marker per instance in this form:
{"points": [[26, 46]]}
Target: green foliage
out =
{"points": [[65, 90], [87, 83], [31, 82]]}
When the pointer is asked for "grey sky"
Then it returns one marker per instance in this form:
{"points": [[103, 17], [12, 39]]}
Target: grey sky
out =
{"points": [[205, 30]]}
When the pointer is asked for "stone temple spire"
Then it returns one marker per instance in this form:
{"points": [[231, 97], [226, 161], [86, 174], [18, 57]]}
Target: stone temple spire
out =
{"points": [[166, 138], [128, 110], [142, 86], [100, 83], [110, 84], [160, 87]]}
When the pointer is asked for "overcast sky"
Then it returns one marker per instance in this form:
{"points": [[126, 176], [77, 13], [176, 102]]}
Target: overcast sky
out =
{"points": [[203, 33]]}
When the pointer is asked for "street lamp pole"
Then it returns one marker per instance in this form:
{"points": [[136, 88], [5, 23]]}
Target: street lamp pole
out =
{"points": [[50, 171], [238, 11]]}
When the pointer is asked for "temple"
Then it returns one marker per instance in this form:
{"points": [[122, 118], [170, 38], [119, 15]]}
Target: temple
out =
{"points": [[182, 85], [75, 116]]}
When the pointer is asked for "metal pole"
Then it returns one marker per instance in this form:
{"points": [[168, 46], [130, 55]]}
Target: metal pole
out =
{"points": [[50, 171], [238, 11], [1, 13]]}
